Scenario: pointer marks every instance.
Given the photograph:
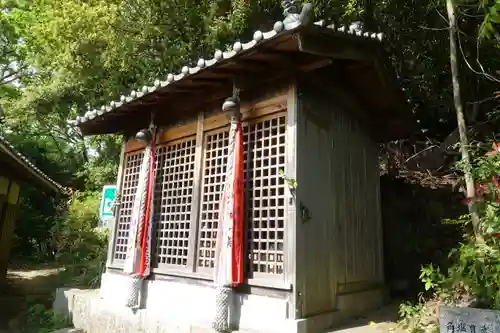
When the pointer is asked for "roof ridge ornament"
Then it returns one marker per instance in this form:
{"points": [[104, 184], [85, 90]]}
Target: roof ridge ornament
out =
{"points": [[294, 18]]}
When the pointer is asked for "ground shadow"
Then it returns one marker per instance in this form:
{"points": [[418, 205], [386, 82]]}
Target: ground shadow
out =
{"points": [[414, 232], [25, 287], [380, 320], [414, 235]]}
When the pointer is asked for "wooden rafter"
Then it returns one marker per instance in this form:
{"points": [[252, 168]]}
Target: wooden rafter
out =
{"points": [[322, 45]]}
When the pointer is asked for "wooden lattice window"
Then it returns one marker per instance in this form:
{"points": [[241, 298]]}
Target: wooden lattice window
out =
{"points": [[265, 193], [174, 184], [265, 206], [131, 169], [214, 169]]}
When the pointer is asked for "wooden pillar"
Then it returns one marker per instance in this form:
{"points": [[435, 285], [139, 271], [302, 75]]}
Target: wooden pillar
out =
{"points": [[4, 191], [293, 239], [7, 222], [112, 224], [196, 201]]}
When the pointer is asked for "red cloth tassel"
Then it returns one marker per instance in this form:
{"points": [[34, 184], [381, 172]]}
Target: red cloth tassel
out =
{"points": [[147, 214], [238, 211], [495, 235]]}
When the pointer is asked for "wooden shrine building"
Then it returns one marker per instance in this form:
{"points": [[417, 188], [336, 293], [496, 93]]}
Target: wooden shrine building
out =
{"points": [[15, 169], [316, 99]]}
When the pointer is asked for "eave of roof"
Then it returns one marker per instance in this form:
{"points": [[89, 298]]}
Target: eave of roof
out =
{"points": [[23, 162], [280, 29]]}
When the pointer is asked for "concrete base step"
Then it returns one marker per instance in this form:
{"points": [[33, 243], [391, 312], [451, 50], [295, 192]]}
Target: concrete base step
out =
{"points": [[69, 330]]}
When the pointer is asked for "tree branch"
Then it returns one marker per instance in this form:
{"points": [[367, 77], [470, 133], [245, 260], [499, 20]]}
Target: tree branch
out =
{"points": [[16, 75], [481, 71]]}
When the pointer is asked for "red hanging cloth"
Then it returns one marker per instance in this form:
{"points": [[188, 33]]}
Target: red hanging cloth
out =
{"points": [[238, 210], [148, 216]]}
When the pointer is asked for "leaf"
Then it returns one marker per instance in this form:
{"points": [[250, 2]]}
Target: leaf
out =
{"points": [[428, 285]]}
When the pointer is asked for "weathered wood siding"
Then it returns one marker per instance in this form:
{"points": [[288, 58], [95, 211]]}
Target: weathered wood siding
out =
{"points": [[9, 202], [340, 242]]}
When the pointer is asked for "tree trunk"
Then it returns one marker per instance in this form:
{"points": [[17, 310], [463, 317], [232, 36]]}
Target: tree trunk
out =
{"points": [[462, 128]]}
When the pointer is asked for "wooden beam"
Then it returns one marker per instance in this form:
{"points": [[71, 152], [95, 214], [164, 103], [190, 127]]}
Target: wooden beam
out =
{"points": [[245, 85], [316, 65], [177, 88], [212, 81], [342, 48], [284, 71], [251, 64], [230, 72], [272, 55]]}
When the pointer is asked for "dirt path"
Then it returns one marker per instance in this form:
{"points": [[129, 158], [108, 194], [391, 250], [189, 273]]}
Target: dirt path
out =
{"points": [[382, 320], [24, 287]]}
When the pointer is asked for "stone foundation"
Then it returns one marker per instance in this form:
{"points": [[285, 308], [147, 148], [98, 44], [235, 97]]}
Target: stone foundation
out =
{"points": [[175, 307]]}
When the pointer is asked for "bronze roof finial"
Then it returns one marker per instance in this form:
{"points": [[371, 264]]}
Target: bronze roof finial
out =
{"points": [[289, 7], [294, 17]]}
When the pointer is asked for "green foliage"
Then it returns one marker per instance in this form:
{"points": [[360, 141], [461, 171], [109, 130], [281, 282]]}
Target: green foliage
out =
{"points": [[491, 18], [291, 182], [100, 169], [429, 276], [42, 320], [67, 56], [418, 318], [473, 279], [473, 275], [80, 245], [461, 220], [484, 168]]}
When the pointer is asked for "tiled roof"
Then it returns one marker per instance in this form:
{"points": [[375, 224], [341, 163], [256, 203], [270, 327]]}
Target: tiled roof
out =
{"points": [[291, 22], [9, 149]]}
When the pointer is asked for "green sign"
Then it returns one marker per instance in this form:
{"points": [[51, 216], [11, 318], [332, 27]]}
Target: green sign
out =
{"points": [[107, 201]]}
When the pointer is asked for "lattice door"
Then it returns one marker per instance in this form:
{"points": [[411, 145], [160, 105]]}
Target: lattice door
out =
{"points": [[214, 168], [265, 192], [131, 169], [175, 176], [265, 210]]}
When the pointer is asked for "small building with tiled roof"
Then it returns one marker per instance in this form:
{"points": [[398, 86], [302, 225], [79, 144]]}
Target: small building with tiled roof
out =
{"points": [[249, 186], [16, 169]]}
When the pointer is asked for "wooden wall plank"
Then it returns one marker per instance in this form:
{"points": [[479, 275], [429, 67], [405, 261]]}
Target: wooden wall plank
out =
{"points": [[338, 184], [4, 185], [195, 204], [14, 191]]}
